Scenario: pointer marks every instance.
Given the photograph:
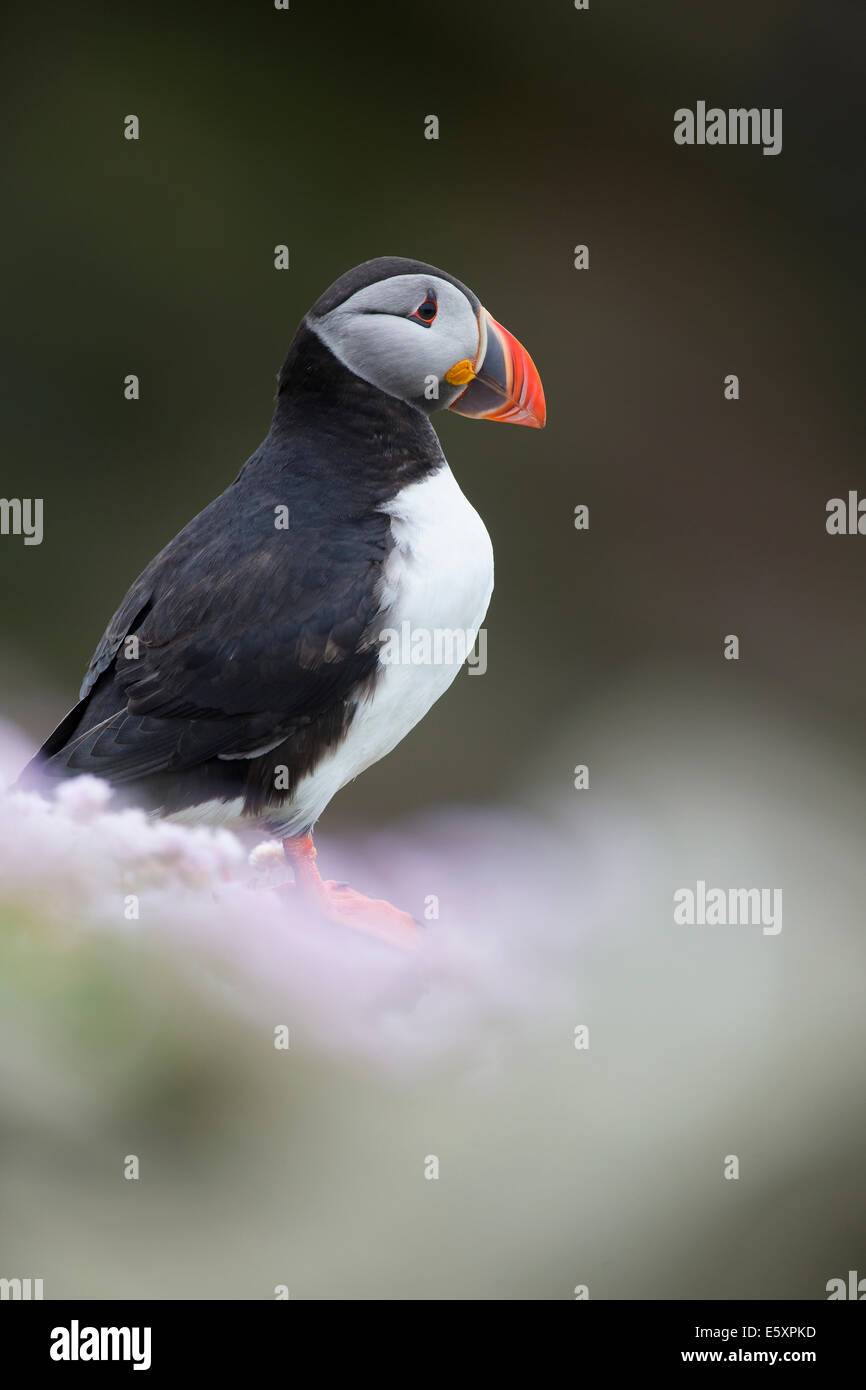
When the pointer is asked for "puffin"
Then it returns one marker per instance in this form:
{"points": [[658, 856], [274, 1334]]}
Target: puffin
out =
{"points": [[242, 680]]}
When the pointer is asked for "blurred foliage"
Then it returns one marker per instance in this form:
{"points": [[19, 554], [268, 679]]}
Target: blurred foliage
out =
{"points": [[306, 1167]]}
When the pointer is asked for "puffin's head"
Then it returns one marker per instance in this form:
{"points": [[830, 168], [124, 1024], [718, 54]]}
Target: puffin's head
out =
{"points": [[420, 335]]}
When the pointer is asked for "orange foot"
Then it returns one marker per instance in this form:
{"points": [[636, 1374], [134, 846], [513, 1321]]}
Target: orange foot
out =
{"points": [[339, 903], [342, 904]]}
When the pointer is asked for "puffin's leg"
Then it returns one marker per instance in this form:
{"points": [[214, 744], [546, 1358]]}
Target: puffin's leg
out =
{"points": [[342, 904]]}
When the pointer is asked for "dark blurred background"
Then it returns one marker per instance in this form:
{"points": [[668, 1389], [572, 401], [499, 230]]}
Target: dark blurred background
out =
{"points": [[261, 127]]}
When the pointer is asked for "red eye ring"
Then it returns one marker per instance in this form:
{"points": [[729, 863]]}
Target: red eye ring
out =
{"points": [[426, 312]]}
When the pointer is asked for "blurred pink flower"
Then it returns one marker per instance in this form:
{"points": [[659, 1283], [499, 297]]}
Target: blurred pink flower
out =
{"points": [[494, 895]]}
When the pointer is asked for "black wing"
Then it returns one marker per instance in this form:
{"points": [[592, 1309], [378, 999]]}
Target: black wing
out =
{"points": [[237, 636]]}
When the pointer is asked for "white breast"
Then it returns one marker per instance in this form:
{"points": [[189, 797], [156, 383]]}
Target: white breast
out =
{"points": [[438, 580]]}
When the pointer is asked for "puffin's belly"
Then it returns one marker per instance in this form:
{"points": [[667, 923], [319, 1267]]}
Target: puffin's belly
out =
{"points": [[439, 577]]}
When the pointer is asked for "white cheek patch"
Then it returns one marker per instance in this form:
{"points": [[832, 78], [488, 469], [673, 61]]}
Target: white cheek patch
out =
{"points": [[373, 335]]}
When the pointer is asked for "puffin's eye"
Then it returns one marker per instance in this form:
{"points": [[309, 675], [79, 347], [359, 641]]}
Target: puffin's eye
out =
{"points": [[426, 312]]}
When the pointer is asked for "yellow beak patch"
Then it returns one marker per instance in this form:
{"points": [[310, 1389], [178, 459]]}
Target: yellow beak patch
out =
{"points": [[461, 373]]}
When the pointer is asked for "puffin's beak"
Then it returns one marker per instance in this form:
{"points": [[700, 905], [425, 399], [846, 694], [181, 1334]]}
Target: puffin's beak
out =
{"points": [[503, 383]]}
